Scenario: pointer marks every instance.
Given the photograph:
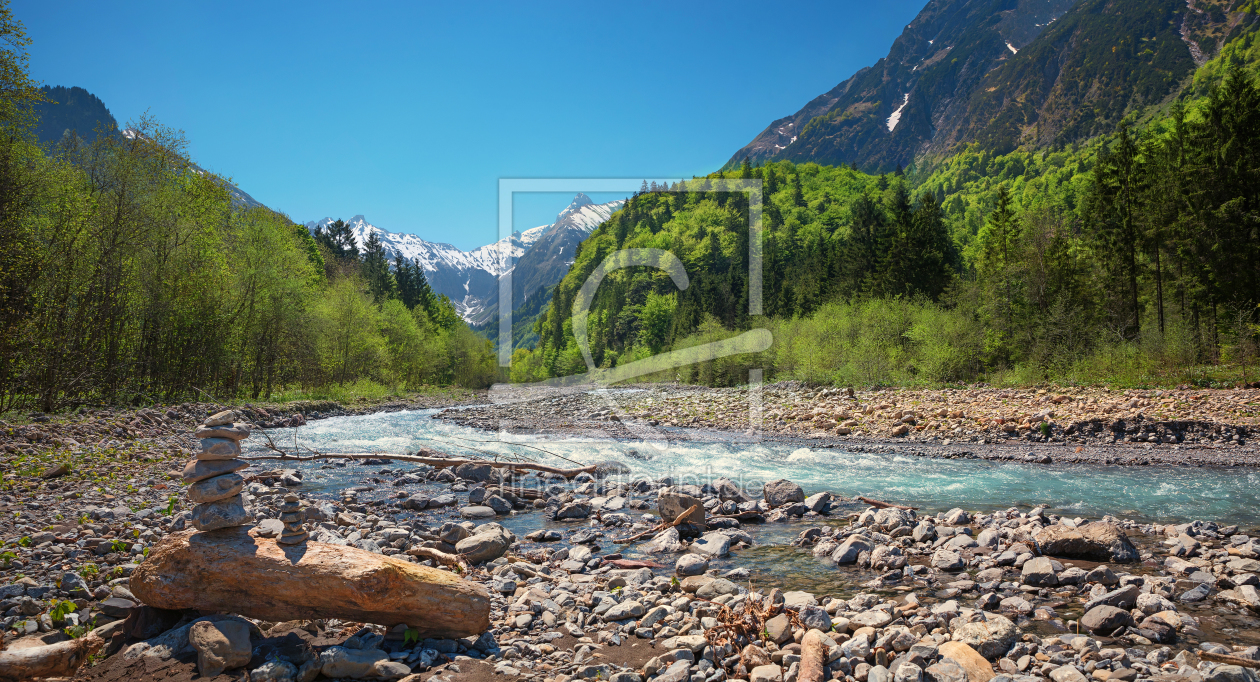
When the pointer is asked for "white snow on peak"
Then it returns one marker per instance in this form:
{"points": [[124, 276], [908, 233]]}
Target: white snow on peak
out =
{"points": [[931, 42], [582, 214], [896, 115], [1012, 47]]}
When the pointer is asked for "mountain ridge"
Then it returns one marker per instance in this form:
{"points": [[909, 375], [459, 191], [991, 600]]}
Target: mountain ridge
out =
{"points": [[471, 278]]}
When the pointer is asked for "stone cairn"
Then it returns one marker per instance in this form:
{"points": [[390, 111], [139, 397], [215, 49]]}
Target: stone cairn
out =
{"points": [[291, 515], [213, 482]]}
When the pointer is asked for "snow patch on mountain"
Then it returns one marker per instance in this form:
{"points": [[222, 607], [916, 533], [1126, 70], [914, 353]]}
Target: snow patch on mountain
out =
{"points": [[470, 278], [896, 115]]}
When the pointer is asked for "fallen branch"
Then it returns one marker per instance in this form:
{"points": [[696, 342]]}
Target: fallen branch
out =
{"points": [[631, 563], [741, 516], [1228, 660], [886, 505], [54, 660], [438, 462], [661, 526], [444, 558]]}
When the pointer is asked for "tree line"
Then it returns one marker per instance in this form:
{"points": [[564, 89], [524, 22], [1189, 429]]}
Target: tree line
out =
{"points": [[1131, 258], [127, 275]]}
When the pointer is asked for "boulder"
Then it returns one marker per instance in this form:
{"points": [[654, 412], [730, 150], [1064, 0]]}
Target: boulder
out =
{"points": [[476, 511], [224, 513], [1096, 541], [779, 628], [849, 550], [973, 664], [713, 544], [948, 560], [766, 673], [1104, 620], [573, 510], [781, 492], [1039, 572], [471, 471], [819, 503], [671, 503], [220, 646], [728, 491], [230, 571], [216, 488], [338, 661], [991, 638], [484, 545], [664, 542], [691, 564]]}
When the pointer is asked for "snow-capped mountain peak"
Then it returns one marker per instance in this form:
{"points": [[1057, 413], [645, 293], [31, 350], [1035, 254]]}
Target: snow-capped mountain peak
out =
{"points": [[470, 278]]}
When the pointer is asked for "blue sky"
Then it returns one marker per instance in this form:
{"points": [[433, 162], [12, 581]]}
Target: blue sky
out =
{"points": [[409, 113]]}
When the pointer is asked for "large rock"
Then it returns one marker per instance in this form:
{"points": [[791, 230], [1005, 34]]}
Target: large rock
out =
{"points": [[849, 550], [1096, 541], [781, 492], [728, 491], [471, 471], [1039, 572], [713, 545], [970, 660], [664, 542], [948, 560], [217, 488], [336, 661], [992, 637], [220, 646], [487, 543], [224, 513], [1104, 620], [671, 502], [691, 564], [230, 571]]}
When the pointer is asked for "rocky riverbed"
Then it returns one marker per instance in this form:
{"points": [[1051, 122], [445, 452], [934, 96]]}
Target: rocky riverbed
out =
{"points": [[1076, 425], [891, 595]]}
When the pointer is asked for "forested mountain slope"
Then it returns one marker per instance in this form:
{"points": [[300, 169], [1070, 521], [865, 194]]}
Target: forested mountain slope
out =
{"points": [[1004, 74]]}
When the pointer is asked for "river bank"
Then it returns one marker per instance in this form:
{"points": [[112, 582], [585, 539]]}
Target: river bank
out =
{"points": [[570, 602], [1199, 427]]}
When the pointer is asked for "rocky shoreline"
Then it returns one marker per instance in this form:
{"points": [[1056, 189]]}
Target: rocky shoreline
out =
{"points": [[1200, 427], [1019, 595]]}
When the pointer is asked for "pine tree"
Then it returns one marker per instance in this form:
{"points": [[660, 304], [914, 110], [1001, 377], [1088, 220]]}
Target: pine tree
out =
{"points": [[376, 269]]}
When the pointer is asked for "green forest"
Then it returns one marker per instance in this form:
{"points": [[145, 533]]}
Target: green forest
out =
{"points": [[1131, 259], [128, 276]]}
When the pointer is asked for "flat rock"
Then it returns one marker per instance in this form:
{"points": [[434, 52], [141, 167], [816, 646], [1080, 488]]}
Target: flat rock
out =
{"points": [[201, 469], [1104, 620], [223, 513], [216, 488], [477, 512], [691, 564], [1096, 541], [219, 448], [230, 571], [235, 431]]}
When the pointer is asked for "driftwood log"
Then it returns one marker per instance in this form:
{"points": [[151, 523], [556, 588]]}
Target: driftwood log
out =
{"points": [[885, 505], [444, 558], [229, 571], [53, 660], [695, 508], [438, 462], [1228, 660]]}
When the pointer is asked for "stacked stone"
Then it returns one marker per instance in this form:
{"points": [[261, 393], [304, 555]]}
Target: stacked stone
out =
{"points": [[291, 516], [213, 482]]}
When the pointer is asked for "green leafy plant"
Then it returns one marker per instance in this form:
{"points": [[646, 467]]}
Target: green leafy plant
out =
{"points": [[89, 571], [25, 542], [119, 546], [170, 505], [61, 609], [411, 636], [8, 557], [75, 631]]}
